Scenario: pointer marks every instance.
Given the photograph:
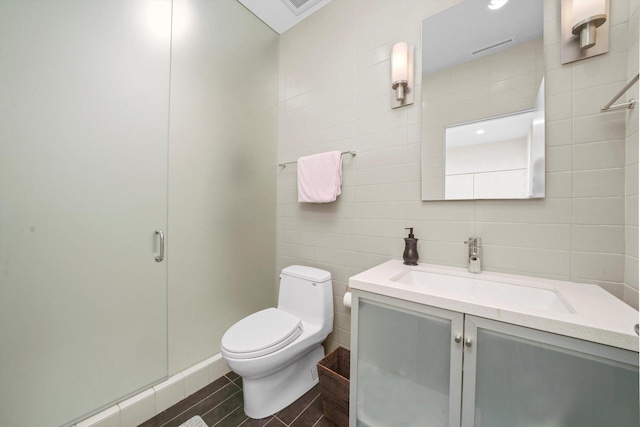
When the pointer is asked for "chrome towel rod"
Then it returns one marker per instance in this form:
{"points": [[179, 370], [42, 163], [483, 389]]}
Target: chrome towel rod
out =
{"points": [[284, 165], [629, 104]]}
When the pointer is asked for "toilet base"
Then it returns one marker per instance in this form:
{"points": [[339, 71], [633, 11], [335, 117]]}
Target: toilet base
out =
{"points": [[265, 396]]}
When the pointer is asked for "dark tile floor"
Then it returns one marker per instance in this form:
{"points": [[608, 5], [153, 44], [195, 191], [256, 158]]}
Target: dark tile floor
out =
{"points": [[220, 404]]}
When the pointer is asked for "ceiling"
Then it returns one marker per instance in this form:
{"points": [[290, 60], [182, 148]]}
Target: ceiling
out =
{"points": [[459, 34], [279, 14]]}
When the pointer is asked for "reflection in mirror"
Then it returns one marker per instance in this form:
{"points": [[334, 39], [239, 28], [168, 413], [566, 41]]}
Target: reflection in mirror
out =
{"points": [[495, 158], [487, 75]]}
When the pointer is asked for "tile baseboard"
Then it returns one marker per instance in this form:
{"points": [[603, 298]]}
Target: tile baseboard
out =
{"points": [[148, 403]]}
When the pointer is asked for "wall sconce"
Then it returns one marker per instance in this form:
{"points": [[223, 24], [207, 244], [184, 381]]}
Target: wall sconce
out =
{"points": [[581, 21], [401, 75], [588, 15]]}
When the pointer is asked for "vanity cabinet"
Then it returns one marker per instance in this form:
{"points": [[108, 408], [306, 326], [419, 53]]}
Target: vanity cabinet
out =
{"points": [[408, 361]]}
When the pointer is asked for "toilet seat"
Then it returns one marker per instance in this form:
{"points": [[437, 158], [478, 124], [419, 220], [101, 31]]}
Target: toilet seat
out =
{"points": [[261, 333]]}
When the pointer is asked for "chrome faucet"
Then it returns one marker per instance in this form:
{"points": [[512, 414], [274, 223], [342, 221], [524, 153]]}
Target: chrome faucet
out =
{"points": [[474, 254]]}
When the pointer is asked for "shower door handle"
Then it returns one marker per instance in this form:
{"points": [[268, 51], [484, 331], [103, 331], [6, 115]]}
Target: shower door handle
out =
{"points": [[160, 257]]}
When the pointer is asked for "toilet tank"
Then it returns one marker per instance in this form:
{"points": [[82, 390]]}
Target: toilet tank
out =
{"points": [[306, 292]]}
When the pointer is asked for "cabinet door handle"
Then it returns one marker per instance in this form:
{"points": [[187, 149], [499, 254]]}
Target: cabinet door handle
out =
{"points": [[160, 257], [468, 342], [458, 339]]}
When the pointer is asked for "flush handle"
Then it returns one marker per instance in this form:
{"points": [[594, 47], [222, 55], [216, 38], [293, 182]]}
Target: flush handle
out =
{"points": [[160, 257]]}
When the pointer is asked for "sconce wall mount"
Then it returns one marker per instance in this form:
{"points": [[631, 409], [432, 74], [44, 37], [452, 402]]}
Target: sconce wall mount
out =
{"points": [[584, 29], [401, 75]]}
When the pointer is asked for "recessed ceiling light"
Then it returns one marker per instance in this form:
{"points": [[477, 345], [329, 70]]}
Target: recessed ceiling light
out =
{"points": [[479, 131], [497, 4]]}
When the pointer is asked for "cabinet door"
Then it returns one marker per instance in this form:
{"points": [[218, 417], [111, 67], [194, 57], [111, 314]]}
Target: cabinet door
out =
{"points": [[516, 376], [406, 365]]}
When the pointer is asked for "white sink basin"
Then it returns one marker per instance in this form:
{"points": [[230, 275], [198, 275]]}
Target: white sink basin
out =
{"points": [[576, 310], [498, 293]]}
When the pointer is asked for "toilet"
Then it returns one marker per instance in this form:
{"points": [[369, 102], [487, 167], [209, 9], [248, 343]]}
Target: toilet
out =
{"points": [[276, 350]]}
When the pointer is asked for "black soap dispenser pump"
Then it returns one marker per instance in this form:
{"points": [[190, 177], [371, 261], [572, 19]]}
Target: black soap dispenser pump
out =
{"points": [[410, 254]]}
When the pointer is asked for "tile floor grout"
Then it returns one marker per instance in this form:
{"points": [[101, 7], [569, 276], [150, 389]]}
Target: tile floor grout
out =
{"points": [[221, 403], [223, 407], [300, 414], [231, 383]]}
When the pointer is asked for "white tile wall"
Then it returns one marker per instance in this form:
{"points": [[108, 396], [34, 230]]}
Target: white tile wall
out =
{"points": [[334, 74]]}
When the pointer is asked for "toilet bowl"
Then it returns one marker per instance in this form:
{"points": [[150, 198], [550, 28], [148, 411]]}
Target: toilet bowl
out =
{"points": [[276, 350]]}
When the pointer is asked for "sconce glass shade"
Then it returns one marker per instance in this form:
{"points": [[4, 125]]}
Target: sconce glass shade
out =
{"points": [[587, 15], [399, 69]]}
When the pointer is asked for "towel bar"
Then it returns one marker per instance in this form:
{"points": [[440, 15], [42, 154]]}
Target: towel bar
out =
{"points": [[284, 165], [629, 104]]}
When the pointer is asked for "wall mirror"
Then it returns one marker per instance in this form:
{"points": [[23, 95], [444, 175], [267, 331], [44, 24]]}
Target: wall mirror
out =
{"points": [[483, 102]]}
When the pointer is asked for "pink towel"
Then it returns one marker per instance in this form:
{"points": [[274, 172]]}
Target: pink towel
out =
{"points": [[319, 177]]}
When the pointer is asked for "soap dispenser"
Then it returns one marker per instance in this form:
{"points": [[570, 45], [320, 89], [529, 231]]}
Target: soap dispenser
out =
{"points": [[410, 254]]}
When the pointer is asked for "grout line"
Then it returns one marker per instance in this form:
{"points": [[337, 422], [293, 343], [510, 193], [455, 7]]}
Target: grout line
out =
{"points": [[230, 379], [276, 417], [316, 423], [229, 413], [266, 421], [200, 401], [307, 407], [226, 416]]}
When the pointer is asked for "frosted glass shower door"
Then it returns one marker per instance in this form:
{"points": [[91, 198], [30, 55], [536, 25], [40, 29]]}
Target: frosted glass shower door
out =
{"points": [[409, 365], [520, 377], [84, 104]]}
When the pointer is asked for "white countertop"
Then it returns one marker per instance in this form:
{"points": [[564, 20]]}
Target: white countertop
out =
{"points": [[597, 315]]}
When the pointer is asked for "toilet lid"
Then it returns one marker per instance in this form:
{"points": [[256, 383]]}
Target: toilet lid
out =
{"points": [[261, 333]]}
